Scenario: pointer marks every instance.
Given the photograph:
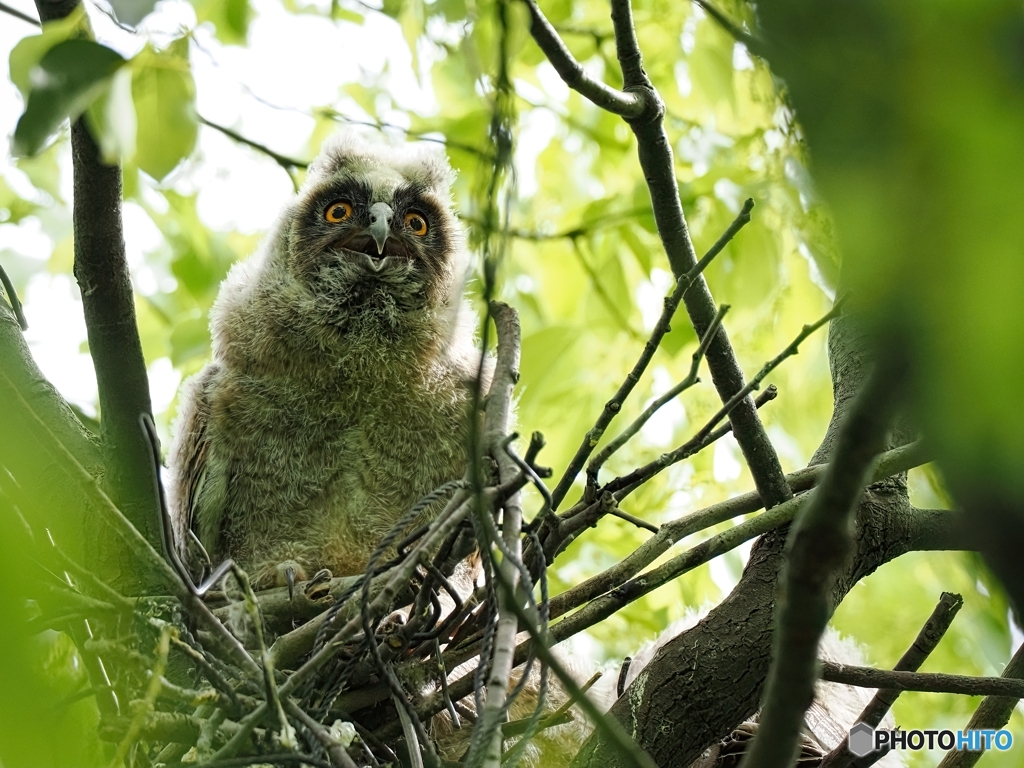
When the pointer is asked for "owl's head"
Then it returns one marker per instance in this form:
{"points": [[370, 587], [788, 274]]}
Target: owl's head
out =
{"points": [[373, 224]]}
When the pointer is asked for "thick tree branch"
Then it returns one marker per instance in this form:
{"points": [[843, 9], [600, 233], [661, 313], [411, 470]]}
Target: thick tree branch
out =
{"points": [[101, 269], [656, 162]]}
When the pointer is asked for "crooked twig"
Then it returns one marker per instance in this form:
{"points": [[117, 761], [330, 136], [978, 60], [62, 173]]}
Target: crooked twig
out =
{"points": [[623, 486], [932, 631], [688, 381], [12, 296], [618, 102], [671, 304]]}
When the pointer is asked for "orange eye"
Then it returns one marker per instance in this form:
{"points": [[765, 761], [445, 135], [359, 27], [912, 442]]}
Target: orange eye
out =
{"points": [[338, 211], [416, 222]]}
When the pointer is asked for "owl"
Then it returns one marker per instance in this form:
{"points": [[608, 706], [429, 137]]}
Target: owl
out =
{"points": [[337, 393]]}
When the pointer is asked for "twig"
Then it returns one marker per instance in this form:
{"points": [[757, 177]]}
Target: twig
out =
{"points": [[289, 164], [4, 8], [889, 463], [617, 102], [628, 750], [993, 713], [145, 707], [12, 296], [273, 699], [560, 716], [753, 43], [622, 486], [339, 756], [691, 378], [613, 406], [485, 748], [932, 631], [111, 516], [453, 514], [616, 592], [930, 682], [819, 544], [572, 233], [284, 758]]}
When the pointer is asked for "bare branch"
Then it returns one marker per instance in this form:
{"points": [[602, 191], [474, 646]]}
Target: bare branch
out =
{"points": [[933, 630], [930, 682], [12, 297], [622, 486], [753, 43], [890, 463], [575, 76], [671, 304], [656, 162], [993, 713], [690, 379], [5, 8]]}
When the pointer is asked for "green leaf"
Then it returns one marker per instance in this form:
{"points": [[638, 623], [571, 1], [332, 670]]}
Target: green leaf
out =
{"points": [[190, 339], [68, 79], [230, 18], [164, 94], [13, 207], [29, 51], [112, 119]]}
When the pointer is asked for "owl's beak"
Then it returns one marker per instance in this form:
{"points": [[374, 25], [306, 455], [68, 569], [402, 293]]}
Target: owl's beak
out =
{"points": [[380, 224]]}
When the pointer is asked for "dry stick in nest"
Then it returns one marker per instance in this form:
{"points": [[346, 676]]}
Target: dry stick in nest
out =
{"points": [[932, 631]]}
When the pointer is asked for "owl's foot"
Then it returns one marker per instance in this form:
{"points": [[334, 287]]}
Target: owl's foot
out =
{"points": [[319, 586]]}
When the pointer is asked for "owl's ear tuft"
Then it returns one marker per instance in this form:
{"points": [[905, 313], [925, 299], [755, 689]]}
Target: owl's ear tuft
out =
{"points": [[350, 149]]}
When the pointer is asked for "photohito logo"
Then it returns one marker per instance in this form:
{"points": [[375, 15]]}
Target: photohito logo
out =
{"points": [[864, 739]]}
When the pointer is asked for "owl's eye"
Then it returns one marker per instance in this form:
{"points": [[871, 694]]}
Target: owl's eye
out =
{"points": [[338, 211], [416, 222]]}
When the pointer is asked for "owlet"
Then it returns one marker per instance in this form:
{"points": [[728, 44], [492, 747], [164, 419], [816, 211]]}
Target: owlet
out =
{"points": [[337, 395]]}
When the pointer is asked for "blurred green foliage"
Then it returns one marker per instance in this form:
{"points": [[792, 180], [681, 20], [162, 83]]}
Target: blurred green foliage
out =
{"points": [[585, 269]]}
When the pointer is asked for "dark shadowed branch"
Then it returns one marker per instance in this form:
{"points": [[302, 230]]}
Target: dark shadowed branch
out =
{"points": [[101, 270], [819, 544], [626, 104], [930, 682]]}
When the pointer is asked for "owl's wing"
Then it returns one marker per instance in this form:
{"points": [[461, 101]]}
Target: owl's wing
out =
{"points": [[190, 462]]}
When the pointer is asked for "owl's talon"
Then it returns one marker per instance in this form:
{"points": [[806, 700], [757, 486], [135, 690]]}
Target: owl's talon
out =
{"points": [[319, 586]]}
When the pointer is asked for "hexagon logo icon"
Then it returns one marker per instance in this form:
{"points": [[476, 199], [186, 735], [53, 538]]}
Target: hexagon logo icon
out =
{"points": [[861, 740]]}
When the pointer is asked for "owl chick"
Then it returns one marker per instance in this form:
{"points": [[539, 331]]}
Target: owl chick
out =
{"points": [[337, 392]]}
